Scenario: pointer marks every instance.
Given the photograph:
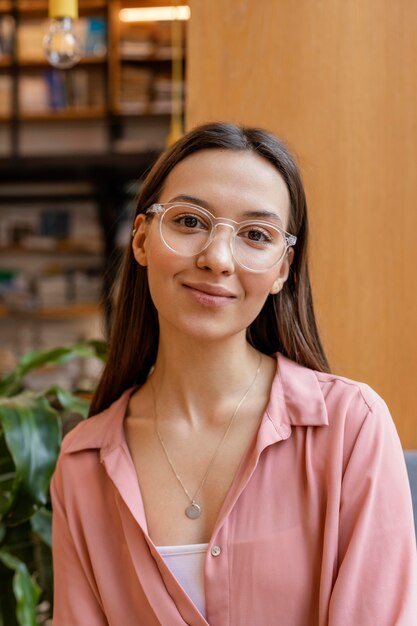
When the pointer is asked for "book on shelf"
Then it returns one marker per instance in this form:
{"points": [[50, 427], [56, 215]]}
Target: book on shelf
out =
{"points": [[56, 88], [162, 92], [25, 292], [30, 35], [163, 41], [7, 28], [51, 290], [138, 42], [68, 288], [53, 90], [33, 94], [91, 33], [135, 89], [5, 95], [96, 89], [78, 87], [52, 227], [55, 223], [136, 49]]}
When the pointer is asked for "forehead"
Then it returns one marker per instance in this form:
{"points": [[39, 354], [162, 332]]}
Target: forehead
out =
{"points": [[229, 182]]}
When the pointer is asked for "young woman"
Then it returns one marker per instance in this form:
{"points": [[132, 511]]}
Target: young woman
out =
{"points": [[227, 478]]}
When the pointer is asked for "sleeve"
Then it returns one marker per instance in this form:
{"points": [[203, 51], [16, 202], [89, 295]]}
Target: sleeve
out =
{"points": [[376, 575], [75, 600]]}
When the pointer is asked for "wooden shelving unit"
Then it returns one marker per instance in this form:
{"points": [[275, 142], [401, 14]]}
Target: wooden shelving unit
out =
{"points": [[69, 114], [140, 57], [102, 140], [59, 248], [42, 63], [128, 80], [52, 313], [40, 93], [58, 312]]}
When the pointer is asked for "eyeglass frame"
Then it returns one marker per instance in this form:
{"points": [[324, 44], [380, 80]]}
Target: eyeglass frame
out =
{"points": [[161, 208]]}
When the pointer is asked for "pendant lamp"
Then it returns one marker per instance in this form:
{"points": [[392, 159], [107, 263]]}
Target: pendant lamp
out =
{"points": [[60, 44]]}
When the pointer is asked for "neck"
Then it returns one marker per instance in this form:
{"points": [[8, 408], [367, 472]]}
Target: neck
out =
{"points": [[189, 375]]}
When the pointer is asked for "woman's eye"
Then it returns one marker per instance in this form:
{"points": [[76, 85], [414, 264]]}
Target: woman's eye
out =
{"points": [[190, 221], [257, 235]]}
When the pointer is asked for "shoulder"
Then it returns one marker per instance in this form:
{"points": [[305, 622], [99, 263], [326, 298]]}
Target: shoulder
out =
{"points": [[342, 401], [357, 410], [338, 387], [352, 424], [352, 398]]}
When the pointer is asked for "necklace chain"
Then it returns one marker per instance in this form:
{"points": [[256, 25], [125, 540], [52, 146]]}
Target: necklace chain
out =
{"points": [[193, 511]]}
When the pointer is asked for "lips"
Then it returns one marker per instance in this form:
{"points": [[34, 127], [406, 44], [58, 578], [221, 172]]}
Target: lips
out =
{"points": [[211, 290]]}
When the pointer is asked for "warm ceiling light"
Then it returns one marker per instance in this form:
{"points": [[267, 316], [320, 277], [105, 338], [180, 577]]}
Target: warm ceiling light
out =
{"points": [[155, 14]]}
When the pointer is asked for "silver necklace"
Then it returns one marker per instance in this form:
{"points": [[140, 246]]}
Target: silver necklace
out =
{"points": [[194, 510]]}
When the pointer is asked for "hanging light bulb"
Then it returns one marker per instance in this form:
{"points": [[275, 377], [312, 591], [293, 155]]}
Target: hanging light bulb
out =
{"points": [[60, 44]]}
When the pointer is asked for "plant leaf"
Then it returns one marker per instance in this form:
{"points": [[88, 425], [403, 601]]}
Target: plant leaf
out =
{"points": [[41, 523], [69, 401], [7, 493], [12, 383], [100, 348], [32, 431], [56, 356], [26, 591], [7, 476]]}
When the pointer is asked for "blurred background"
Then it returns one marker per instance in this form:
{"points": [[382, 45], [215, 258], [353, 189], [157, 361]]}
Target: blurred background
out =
{"points": [[334, 79], [74, 145]]}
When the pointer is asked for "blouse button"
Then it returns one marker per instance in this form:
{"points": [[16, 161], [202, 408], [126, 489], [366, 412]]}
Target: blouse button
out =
{"points": [[216, 550]]}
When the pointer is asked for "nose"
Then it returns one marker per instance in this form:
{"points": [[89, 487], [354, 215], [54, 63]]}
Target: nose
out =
{"points": [[218, 256]]}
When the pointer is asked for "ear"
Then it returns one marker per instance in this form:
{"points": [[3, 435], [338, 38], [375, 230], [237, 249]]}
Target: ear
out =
{"points": [[284, 270], [139, 239]]}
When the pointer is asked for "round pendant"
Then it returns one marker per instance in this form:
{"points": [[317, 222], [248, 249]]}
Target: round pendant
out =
{"points": [[193, 511]]}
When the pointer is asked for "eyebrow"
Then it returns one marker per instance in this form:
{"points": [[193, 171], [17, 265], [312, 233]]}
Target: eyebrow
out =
{"points": [[262, 215], [192, 199], [254, 214]]}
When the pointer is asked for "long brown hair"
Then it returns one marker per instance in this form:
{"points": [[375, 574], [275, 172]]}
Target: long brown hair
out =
{"points": [[286, 322]]}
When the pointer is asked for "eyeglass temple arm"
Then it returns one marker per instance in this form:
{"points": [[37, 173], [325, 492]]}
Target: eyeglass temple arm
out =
{"points": [[155, 208]]}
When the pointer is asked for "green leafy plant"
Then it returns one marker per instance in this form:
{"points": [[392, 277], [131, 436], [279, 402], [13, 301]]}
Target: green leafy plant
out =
{"points": [[31, 429]]}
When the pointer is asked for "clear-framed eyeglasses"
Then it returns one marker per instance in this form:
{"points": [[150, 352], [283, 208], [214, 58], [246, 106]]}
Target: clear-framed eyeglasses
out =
{"points": [[187, 230]]}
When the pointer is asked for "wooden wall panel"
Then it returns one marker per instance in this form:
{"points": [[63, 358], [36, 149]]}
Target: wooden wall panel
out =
{"points": [[335, 79]]}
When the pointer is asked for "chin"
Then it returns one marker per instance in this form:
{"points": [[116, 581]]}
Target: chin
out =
{"points": [[203, 328]]}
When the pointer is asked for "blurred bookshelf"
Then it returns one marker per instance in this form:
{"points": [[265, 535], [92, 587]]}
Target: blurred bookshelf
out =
{"points": [[124, 80], [74, 145]]}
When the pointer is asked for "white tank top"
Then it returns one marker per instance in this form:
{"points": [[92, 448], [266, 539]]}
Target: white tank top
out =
{"points": [[187, 565]]}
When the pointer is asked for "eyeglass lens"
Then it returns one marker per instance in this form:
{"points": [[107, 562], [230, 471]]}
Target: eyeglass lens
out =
{"points": [[189, 230]]}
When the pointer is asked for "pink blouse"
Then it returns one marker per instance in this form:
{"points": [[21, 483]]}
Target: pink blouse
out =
{"points": [[316, 530]]}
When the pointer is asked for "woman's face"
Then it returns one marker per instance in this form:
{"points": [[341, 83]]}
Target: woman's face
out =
{"points": [[210, 296]]}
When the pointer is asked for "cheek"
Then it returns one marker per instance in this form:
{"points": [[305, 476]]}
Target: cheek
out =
{"points": [[257, 289], [162, 268], [258, 286]]}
